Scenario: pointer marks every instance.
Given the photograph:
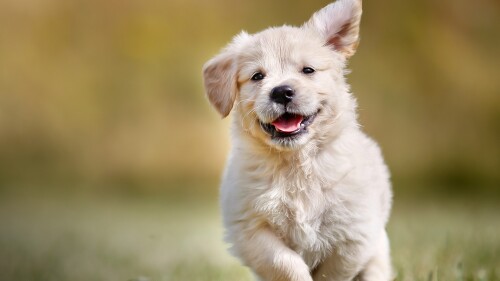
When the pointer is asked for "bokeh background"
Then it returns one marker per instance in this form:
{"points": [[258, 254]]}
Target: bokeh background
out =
{"points": [[110, 155]]}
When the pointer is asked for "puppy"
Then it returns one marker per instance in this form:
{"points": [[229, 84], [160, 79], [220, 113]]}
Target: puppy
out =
{"points": [[305, 194]]}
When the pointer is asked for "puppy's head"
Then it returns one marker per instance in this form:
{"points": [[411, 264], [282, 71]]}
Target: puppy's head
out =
{"points": [[287, 84]]}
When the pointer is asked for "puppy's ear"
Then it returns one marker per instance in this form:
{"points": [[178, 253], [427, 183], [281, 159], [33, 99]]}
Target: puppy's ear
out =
{"points": [[338, 23], [220, 76]]}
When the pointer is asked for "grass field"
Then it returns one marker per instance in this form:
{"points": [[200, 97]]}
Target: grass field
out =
{"points": [[155, 239]]}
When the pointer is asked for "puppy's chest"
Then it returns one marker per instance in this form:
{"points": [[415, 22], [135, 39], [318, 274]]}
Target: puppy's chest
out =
{"points": [[297, 209]]}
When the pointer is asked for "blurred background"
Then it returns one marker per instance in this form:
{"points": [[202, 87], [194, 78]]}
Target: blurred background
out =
{"points": [[104, 126]]}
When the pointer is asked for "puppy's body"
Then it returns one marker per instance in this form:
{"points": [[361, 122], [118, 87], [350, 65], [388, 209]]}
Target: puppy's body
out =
{"points": [[306, 194]]}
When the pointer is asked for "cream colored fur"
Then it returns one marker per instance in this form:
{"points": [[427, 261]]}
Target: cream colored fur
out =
{"points": [[315, 207]]}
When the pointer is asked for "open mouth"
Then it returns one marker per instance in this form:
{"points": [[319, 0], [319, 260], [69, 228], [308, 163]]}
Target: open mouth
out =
{"points": [[288, 125]]}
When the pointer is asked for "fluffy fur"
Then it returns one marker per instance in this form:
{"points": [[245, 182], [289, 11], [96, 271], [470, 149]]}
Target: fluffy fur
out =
{"points": [[312, 206]]}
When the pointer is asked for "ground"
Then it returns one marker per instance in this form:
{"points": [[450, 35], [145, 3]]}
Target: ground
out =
{"points": [[61, 237]]}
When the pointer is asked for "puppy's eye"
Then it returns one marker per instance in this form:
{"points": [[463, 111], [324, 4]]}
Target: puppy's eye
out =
{"points": [[257, 76], [308, 70]]}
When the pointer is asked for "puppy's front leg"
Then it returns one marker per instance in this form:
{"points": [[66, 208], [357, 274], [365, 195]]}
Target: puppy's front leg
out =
{"points": [[340, 267], [271, 259], [366, 261]]}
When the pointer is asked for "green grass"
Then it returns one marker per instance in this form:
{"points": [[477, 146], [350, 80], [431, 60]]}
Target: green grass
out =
{"points": [[90, 238], [446, 241]]}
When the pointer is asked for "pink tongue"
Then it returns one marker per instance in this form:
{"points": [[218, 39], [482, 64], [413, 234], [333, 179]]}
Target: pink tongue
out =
{"points": [[288, 123]]}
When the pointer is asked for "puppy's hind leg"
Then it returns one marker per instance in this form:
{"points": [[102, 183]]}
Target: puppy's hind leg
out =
{"points": [[379, 266]]}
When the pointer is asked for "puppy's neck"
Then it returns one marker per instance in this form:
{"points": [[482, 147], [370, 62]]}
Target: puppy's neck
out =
{"points": [[299, 159]]}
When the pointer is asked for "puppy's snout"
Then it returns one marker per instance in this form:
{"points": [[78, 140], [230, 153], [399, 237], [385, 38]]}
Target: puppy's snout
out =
{"points": [[282, 94]]}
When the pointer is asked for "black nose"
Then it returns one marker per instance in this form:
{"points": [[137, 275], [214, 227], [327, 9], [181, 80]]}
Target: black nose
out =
{"points": [[282, 94]]}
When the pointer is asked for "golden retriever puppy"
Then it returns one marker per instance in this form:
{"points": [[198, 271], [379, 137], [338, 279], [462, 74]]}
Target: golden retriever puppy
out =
{"points": [[305, 194]]}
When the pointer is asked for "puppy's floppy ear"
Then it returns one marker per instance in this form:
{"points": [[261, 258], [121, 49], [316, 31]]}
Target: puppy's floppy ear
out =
{"points": [[338, 23], [220, 76]]}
